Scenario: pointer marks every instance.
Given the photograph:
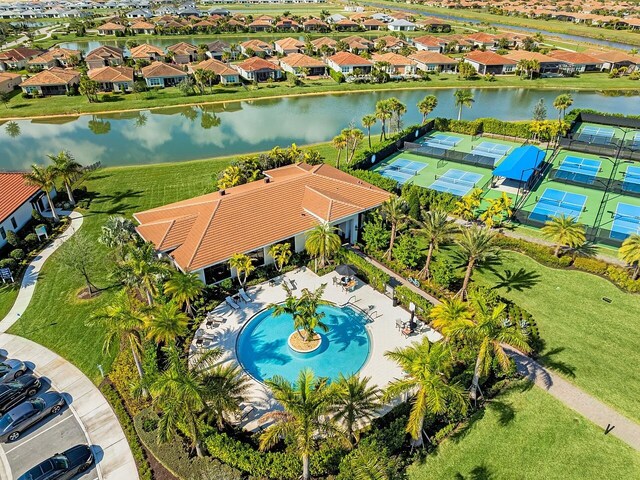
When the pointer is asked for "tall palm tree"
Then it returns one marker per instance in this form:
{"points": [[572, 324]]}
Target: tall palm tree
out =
{"points": [[427, 105], [383, 113], [339, 143], [397, 109], [184, 288], [306, 404], [355, 401], [165, 323], [427, 367], [369, 121], [281, 254], [322, 243], [45, 178], [244, 267], [564, 231], [630, 253], [304, 310], [561, 103], [476, 245], [394, 212], [67, 169], [436, 228], [142, 270], [463, 98], [124, 319]]}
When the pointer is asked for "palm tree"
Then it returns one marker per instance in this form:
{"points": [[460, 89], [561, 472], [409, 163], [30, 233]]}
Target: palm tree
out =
{"points": [[436, 228], [67, 169], [450, 312], [244, 267], [463, 98], [369, 121], [184, 288], [561, 103], [630, 253], [165, 323], [226, 388], [142, 270], [397, 110], [339, 143], [124, 319], [45, 178], [427, 367], [476, 245], [322, 243], [281, 254], [427, 105], [383, 113], [355, 401], [303, 310], [564, 231], [394, 212], [306, 404]]}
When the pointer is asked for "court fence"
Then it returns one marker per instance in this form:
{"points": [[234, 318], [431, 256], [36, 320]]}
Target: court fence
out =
{"points": [[451, 155], [625, 151]]}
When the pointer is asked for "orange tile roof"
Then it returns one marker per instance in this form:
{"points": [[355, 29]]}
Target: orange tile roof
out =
{"points": [[215, 66], [104, 51], [182, 48], [489, 58], [160, 69], [143, 26], [392, 58], [518, 55], [4, 76], [301, 60], [482, 37], [256, 45], [428, 40], [612, 56], [13, 192], [256, 63], [111, 26], [574, 57], [53, 76], [426, 57], [19, 53], [111, 74], [209, 229], [372, 22], [289, 43], [55, 53], [348, 58], [143, 51], [319, 42]]}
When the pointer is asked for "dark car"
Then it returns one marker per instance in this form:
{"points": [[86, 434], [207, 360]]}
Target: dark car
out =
{"points": [[19, 418], [11, 369], [15, 392], [62, 466]]}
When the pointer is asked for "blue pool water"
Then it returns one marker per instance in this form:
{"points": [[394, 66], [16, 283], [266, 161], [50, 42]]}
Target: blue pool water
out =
{"points": [[263, 350]]}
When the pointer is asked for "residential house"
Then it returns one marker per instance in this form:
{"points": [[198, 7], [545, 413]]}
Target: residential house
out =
{"points": [[373, 24], [18, 200], [56, 57], [357, 44], [321, 42], [200, 235], [217, 49], [17, 58], [490, 62], [147, 52], [261, 24], [390, 43], [287, 25], [483, 40], [398, 66], [256, 69], [225, 74], [435, 25], [335, 18], [9, 81], [347, 63], [103, 56], [315, 25], [547, 64], [299, 63], [401, 25], [289, 45], [143, 28], [428, 43], [160, 74], [614, 59], [256, 47], [55, 81], [139, 13], [578, 62], [346, 25], [117, 79], [429, 61], [383, 17], [111, 28], [183, 53], [455, 44]]}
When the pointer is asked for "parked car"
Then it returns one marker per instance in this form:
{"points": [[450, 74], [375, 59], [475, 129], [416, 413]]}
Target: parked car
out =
{"points": [[62, 466], [11, 369], [19, 418], [15, 392]]}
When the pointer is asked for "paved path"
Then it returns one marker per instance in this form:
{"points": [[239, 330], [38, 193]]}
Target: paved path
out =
{"points": [[47, 31], [573, 397]]}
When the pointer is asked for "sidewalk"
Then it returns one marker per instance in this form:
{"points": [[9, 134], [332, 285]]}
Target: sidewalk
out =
{"points": [[91, 409]]}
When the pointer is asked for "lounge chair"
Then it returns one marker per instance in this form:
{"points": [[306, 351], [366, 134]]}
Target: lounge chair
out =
{"points": [[244, 295], [232, 303], [292, 284]]}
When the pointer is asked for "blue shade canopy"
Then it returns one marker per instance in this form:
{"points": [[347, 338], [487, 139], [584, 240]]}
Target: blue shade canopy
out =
{"points": [[520, 164]]}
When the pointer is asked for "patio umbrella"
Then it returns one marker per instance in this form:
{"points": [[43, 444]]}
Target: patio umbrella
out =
{"points": [[412, 324], [346, 270]]}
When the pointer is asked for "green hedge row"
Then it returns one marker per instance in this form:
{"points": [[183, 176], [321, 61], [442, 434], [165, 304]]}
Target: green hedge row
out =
{"points": [[484, 125], [374, 178], [338, 77], [372, 274], [406, 296], [112, 396]]}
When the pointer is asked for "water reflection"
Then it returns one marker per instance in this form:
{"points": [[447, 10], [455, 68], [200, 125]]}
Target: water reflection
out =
{"points": [[186, 133]]}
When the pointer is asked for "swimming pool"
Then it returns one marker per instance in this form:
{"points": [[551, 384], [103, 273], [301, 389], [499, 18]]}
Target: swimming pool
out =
{"points": [[263, 350]]}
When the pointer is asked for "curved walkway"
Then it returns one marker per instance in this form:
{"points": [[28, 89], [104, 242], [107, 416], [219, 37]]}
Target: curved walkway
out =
{"points": [[91, 409]]}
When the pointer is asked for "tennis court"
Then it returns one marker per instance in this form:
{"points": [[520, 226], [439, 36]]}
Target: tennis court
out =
{"points": [[626, 221], [635, 143], [596, 134], [632, 179], [446, 142], [401, 170], [554, 203], [457, 182], [579, 169], [495, 150]]}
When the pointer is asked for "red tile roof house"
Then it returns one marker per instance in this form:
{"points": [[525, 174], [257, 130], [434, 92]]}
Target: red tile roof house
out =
{"points": [[390, 43], [110, 28], [258, 47], [113, 79], [256, 69], [17, 202], [201, 234], [614, 59], [578, 62], [183, 53], [226, 74], [296, 62], [347, 62], [9, 81], [147, 52], [287, 25], [486, 40], [160, 74], [315, 25], [56, 57], [434, 62], [373, 24], [55, 81], [399, 66], [429, 43], [547, 64], [104, 56], [17, 58], [490, 62], [143, 28], [288, 45]]}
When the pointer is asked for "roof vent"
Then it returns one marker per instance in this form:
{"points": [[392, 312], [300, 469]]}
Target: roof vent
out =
{"points": [[267, 180], [222, 192]]}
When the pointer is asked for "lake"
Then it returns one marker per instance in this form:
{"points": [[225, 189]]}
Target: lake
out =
{"points": [[187, 133]]}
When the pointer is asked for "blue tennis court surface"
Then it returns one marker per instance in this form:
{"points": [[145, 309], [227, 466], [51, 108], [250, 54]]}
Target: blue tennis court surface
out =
{"points": [[402, 169], [457, 182], [593, 134], [495, 150], [632, 179], [583, 170], [554, 203], [446, 142], [635, 143], [626, 221]]}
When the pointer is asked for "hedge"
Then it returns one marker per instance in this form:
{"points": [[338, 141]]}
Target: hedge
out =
{"points": [[374, 178], [338, 77], [405, 296], [484, 125], [370, 273]]}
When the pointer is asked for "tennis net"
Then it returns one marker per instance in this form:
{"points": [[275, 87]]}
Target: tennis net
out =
{"points": [[627, 218], [406, 171], [456, 181], [560, 203]]}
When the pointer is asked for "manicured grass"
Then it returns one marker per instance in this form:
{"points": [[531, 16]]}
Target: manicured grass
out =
{"points": [[8, 294], [529, 435], [63, 105], [594, 343]]}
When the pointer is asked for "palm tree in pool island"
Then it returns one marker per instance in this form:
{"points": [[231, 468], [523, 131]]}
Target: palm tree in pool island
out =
{"points": [[67, 169], [630, 253], [45, 178], [564, 231], [323, 243], [463, 98]]}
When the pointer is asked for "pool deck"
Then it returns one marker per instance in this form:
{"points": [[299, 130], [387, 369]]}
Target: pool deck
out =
{"points": [[382, 330]]}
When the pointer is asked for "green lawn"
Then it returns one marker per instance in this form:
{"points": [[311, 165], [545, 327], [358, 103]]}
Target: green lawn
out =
{"points": [[529, 435], [593, 342], [8, 294]]}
